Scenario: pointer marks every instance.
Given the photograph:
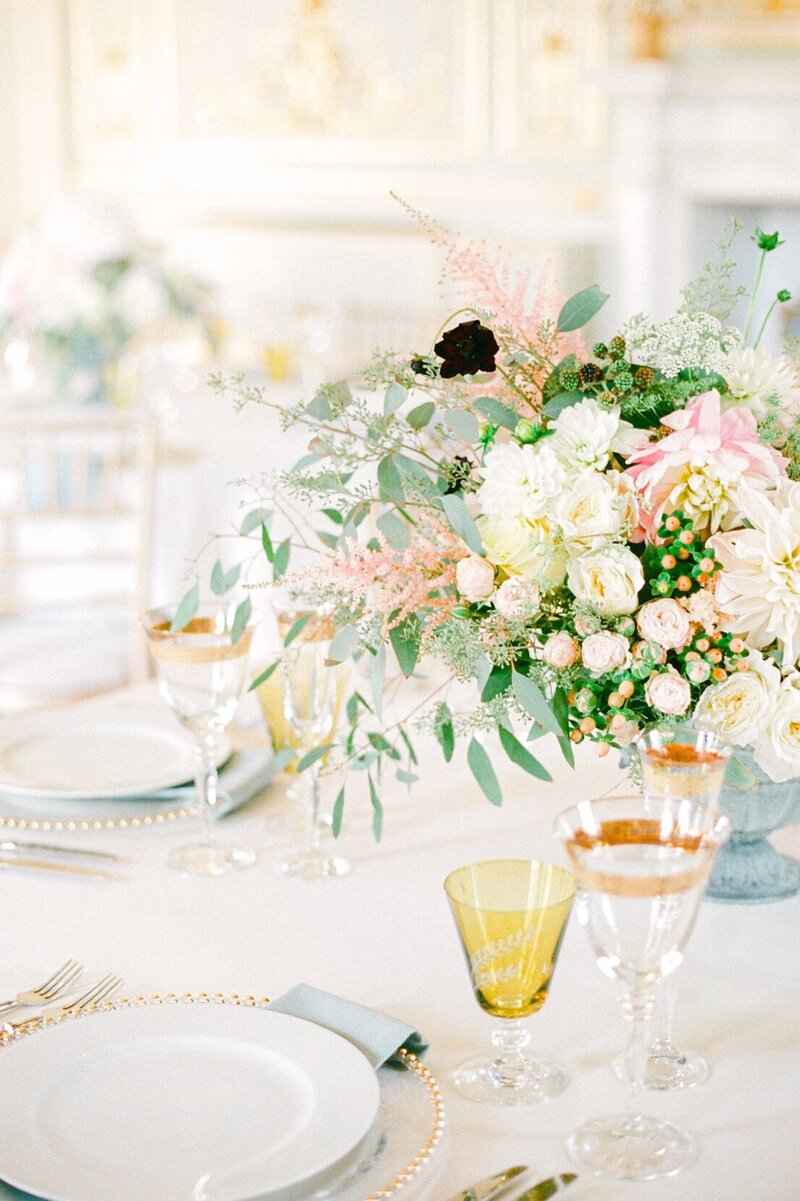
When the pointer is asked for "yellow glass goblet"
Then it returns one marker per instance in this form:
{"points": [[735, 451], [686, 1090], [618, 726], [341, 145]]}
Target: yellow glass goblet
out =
{"points": [[511, 915]]}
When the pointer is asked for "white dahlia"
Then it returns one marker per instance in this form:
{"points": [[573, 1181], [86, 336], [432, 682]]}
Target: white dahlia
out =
{"points": [[759, 586], [754, 377], [519, 481], [585, 436]]}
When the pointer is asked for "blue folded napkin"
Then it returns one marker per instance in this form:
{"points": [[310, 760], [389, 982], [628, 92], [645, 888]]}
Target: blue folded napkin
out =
{"points": [[376, 1035]]}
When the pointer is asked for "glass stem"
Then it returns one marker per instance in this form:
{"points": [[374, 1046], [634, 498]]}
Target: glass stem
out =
{"points": [[314, 833], [207, 782], [637, 1005], [511, 1068], [665, 1011]]}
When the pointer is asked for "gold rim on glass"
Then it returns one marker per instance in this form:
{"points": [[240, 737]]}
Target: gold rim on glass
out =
{"points": [[413, 1065]]}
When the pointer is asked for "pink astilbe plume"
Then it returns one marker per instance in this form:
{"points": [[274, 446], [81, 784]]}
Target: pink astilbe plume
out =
{"points": [[393, 584], [477, 276]]}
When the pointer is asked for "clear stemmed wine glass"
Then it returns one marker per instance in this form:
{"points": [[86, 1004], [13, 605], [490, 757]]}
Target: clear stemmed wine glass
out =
{"points": [[201, 672], [310, 698], [511, 915], [678, 759], [641, 865]]}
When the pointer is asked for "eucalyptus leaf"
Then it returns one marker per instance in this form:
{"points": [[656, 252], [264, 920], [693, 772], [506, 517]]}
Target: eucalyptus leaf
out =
{"points": [[218, 578], [254, 519], [499, 681], [284, 757], [394, 397], [580, 308], [263, 676], [390, 482], [496, 412], [231, 577], [405, 637], [343, 644], [518, 754], [281, 560], [377, 809], [338, 813], [561, 401], [411, 467], [533, 701], [462, 522], [297, 628], [419, 417], [738, 776], [306, 461], [394, 530], [320, 408], [446, 738], [312, 756], [405, 777], [187, 608], [463, 424], [482, 770], [334, 515], [241, 618], [266, 542]]}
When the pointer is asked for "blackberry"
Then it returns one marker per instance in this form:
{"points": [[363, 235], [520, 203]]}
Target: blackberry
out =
{"points": [[645, 377], [616, 347], [569, 379], [590, 373]]}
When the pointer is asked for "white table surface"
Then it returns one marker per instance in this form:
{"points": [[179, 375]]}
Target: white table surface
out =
{"points": [[384, 936]]}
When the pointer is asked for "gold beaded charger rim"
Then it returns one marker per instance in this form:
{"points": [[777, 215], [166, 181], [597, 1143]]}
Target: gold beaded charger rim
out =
{"points": [[163, 817], [414, 1066]]}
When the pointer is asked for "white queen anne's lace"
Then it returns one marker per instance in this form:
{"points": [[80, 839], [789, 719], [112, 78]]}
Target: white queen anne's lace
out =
{"points": [[687, 341]]}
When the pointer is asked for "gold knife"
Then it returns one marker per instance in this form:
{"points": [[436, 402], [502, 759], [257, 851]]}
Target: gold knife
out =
{"points": [[48, 865], [547, 1188], [52, 848], [490, 1186]]}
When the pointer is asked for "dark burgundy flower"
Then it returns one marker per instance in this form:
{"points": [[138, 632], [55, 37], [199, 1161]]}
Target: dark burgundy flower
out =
{"points": [[465, 349]]}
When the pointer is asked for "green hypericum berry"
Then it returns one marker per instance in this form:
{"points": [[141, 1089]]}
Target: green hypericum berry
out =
{"points": [[616, 347], [600, 350], [569, 380]]}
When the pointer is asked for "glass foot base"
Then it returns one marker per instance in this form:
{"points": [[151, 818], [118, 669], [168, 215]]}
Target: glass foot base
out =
{"points": [[628, 1147], [477, 1079], [669, 1068], [749, 871], [203, 859], [314, 865]]}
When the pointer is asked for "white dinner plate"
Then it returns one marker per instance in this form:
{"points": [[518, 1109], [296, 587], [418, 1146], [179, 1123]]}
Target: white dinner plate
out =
{"points": [[71, 754], [182, 1103]]}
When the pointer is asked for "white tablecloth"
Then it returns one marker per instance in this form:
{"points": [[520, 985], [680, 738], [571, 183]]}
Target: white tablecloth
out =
{"points": [[384, 936]]}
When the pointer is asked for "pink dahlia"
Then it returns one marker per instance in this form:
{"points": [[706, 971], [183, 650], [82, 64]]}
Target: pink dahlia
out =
{"points": [[698, 467]]}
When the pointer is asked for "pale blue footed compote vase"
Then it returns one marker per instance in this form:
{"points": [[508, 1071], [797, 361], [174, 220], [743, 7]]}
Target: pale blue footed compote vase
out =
{"points": [[749, 869]]}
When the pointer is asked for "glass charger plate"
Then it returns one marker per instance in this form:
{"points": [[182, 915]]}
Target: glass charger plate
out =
{"points": [[73, 754], [246, 773], [395, 1154]]}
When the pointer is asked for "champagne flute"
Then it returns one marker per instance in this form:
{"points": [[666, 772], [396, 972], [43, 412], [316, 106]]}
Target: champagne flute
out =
{"points": [[678, 759], [201, 672], [510, 915], [310, 698], [641, 865]]}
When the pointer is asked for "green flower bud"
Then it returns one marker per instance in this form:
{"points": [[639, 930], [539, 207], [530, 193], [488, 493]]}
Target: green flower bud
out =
{"points": [[526, 431], [767, 242], [783, 296]]}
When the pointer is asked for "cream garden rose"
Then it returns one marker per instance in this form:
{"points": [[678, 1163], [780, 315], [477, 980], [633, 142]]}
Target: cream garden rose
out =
{"points": [[665, 622], [517, 598], [777, 751], [669, 693], [609, 581], [590, 513], [523, 548], [475, 578], [561, 650], [738, 707], [604, 651]]}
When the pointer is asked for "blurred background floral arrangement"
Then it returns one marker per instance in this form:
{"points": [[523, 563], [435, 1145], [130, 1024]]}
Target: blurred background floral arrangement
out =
{"points": [[84, 299]]}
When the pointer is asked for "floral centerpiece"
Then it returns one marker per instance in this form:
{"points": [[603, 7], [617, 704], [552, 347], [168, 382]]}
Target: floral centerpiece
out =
{"points": [[80, 290], [599, 537]]}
